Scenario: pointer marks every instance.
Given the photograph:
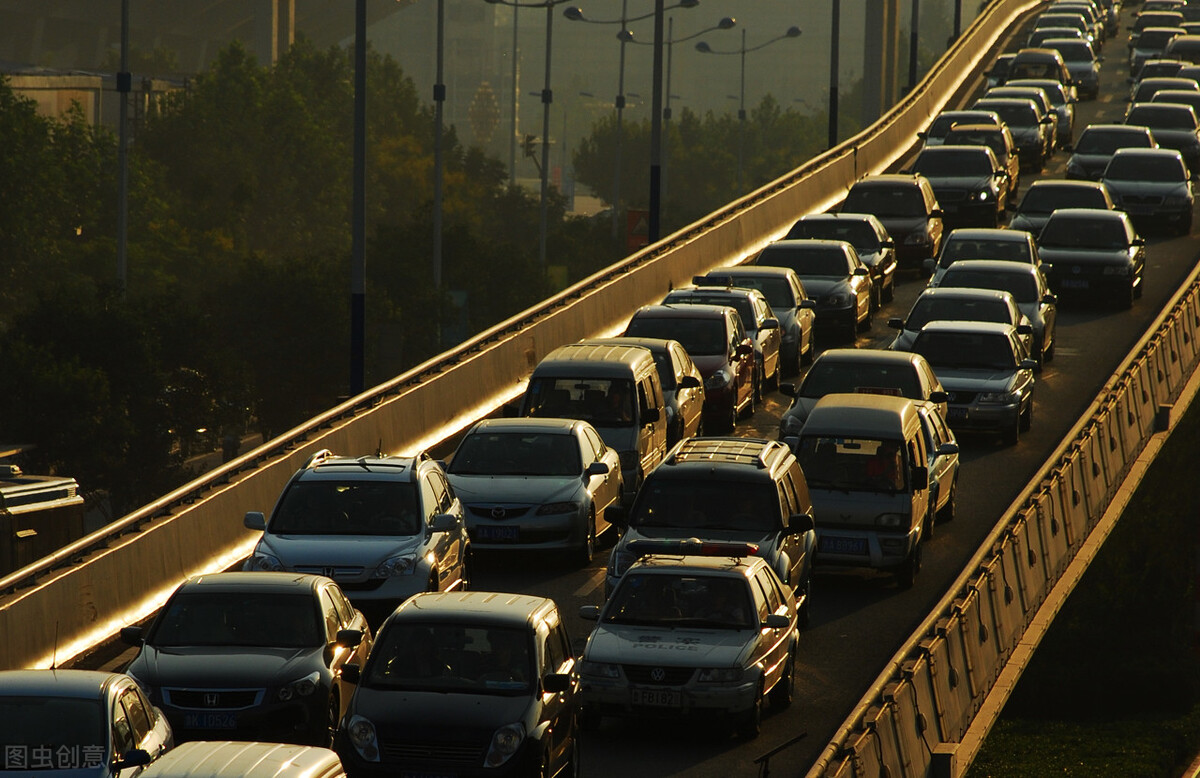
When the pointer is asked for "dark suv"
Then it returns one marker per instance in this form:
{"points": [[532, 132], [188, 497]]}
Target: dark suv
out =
{"points": [[908, 209], [385, 528], [727, 489], [716, 340], [472, 683]]}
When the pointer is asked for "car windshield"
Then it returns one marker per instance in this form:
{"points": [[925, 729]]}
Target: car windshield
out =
{"points": [[858, 234], [1108, 142], [1140, 167], [347, 507], [692, 601], [1016, 114], [807, 260], [883, 201], [517, 453], [1071, 232], [855, 464], [934, 308], [53, 732], [939, 164], [740, 303], [983, 248], [603, 402], [451, 658], [1157, 38], [1163, 116], [896, 377], [1046, 199], [970, 350], [707, 504], [778, 291], [1022, 286], [993, 140], [700, 336], [242, 618], [1075, 52]]}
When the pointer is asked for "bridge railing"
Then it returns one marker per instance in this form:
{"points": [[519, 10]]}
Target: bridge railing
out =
{"points": [[72, 600]]}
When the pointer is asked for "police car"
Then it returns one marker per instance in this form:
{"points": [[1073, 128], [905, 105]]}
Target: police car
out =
{"points": [[692, 628]]}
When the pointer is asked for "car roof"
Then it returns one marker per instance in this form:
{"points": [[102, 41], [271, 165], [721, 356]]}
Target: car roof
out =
{"points": [[715, 291], [1122, 129], [869, 355], [1066, 183], [244, 759], [888, 179], [980, 327], [799, 243], [527, 424], [848, 216], [747, 271], [1160, 152], [682, 311], [964, 292], [994, 265], [654, 345], [959, 149], [82, 684], [743, 455], [988, 233], [997, 129], [327, 466], [733, 567], [848, 413], [1093, 213], [270, 582], [484, 608]]}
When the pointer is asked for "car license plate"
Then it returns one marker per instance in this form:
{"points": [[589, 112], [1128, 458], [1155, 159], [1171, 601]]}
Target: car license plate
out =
{"points": [[843, 545], [210, 721], [510, 534], [658, 698], [957, 414], [1074, 283]]}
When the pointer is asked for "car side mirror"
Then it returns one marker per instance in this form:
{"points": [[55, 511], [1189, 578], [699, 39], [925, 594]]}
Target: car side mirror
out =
{"points": [[1024, 329], [255, 520], [922, 135], [787, 390], [947, 449], [349, 638], [1050, 299], [888, 244], [808, 303], [137, 757], [351, 673], [938, 397], [936, 213], [1028, 364], [589, 612], [1138, 242], [650, 415], [132, 636], [744, 349], [770, 324], [861, 271], [800, 523], [596, 468], [920, 477], [929, 265], [445, 522], [689, 382], [556, 683], [895, 323]]}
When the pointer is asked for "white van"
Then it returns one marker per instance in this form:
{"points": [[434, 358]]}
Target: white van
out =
{"points": [[866, 464], [229, 759]]}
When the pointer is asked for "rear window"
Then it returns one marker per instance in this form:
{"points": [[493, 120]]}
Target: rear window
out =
{"points": [[807, 260], [1065, 232], [969, 350], [829, 377], [701, 336], [933, 308], [1045, 199], [885, 200], [858, 234], [858, 464], [1108, 141], [983, 248], [704, 503]]}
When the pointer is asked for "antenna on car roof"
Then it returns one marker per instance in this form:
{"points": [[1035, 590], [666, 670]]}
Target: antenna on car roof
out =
{"points": [[379, 448], [54, 654]]}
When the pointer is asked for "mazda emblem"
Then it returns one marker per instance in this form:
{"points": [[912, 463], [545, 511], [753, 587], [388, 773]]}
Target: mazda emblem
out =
{"points": [[211, 699], [498, 513], [658, 674]]}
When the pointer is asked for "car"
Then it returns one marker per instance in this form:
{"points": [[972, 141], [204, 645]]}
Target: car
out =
{"points": [[537, 484], [682, 383], [79, 723], [1083, 64], [1062, 98], [1009, 245], [1186, 97], [251, 656], [998, 72], [717, 342], [1046, 196], [907, 207], [246, 759], [970, 184], [1098, 142], [1066, 19], [1000, 140], [386, 527], [1042, 62], [1156, 67], [725, 489], [861, 371], [870, 239], [935, 133], [954, 304], [1153, 187], [1038, 95], [1026, 283], [790, 304], [833, 274], [1184, 47], [1144, 19], [733, 623], [1042, 34], [761, 325], [1031, 130], [1189, 71], [987, 373], [1093, 252], [466, 683], [1151, 44], [1090, 12], [1145, 89], [942, 458]]}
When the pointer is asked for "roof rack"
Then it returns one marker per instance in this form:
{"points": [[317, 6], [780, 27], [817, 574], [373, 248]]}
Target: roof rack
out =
{"points": [[756, 451]]}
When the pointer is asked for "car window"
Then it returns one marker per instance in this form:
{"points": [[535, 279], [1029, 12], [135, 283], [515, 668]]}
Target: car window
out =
{"points": [[344, 609], [936, 308], [761, 601], [891, 378], [701, 336], [593, 438], [1064, 231], [880, 200], [967, 350], [347, 507], [203, 618], [553, 657], [707, 504], [122, 732], [1145, 167], [329, 614], [529, 453], [739, 332], [30, 722], [139, 719], [1022, 286], [451, 658], [852, 463]]}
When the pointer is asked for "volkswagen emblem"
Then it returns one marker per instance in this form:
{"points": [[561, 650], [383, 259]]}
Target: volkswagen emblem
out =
{"points": [[498, 512], [211, 699], [658, 675]]}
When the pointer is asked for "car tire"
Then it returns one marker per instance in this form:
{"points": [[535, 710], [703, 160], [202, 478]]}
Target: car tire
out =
{"points": [[784, 690], [889, 289], [749, 723], [759, 381], [1027, 417], [1125, 297], [750, 405], [1012, 435], [950, 509], [587, 550], [930, 518], [804, 610], [1048, 353], [906, 573], [806, 357], [333, 717]]}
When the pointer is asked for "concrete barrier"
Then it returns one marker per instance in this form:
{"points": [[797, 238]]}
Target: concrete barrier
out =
{"points": [[1008, 617], [1052, 532]]}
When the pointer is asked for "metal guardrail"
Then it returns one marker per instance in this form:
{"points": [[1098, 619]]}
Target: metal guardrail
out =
{"points": [[917, 712]]}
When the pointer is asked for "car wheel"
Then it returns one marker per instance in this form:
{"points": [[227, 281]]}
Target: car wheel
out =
{"points": [[804, 596], [333, 717], [750, 722], [783, 692], [1048, 353], [889, 289], [950, 509], [750, 404], [571, 768], [587, 550], [906, 573], [807, 356], [867, 320], [930, 518], [1125, 297], [1027, 417], [759, 380], [1012, 435]]}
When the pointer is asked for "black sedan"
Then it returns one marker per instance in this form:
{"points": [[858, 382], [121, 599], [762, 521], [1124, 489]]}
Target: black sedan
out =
{"points": [[1153, 187], [251, 656], [833, 274], [1094, 252], [969, 182]]}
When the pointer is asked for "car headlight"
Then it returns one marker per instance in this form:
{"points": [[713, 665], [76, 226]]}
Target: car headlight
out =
{"points": [[891, 520], [1177, 200], [1116, 270], [599, 669], [630, 460], [917, 239], [303, 687], [720, 675], [262, 562], [361, 734], [403, 564], [718, 380], [1004, 398], [505, 743], [558, 507], [835, 299], [984, 195]]}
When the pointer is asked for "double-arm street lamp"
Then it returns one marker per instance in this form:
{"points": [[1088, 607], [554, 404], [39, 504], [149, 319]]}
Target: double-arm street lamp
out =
{"points": [[792, 32]]}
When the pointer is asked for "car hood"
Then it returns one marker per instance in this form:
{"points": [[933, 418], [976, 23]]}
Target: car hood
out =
{"points": [[513, 489], [1152, 188], [900, 226], [419, 716], [671, 646], [819, 286], [974, 379], [848, 508], [1052, 255], [227, 666], [958, 183], [339, 550], [1030, 222]]}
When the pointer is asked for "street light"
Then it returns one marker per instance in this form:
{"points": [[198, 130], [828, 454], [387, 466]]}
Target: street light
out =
{"points": [[792, 32], [575, 14], [835, 35], [547, 99]]}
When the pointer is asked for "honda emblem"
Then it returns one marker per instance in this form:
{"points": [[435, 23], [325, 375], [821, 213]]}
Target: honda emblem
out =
{"points": [[211, 699]]}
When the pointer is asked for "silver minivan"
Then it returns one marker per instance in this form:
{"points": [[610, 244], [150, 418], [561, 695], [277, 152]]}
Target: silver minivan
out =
{"points": [[229, 759], [865, 460]]}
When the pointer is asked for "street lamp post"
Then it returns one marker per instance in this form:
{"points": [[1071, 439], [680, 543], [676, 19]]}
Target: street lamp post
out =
{"points": [[913, 37], [792, 32], [439, 98], [358, 272], [835, 34]]}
